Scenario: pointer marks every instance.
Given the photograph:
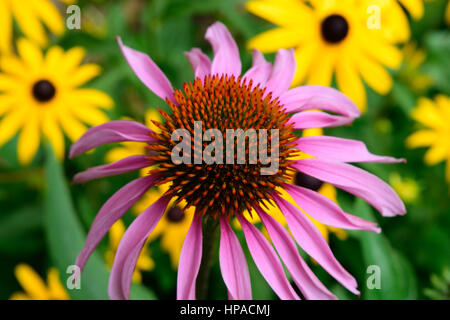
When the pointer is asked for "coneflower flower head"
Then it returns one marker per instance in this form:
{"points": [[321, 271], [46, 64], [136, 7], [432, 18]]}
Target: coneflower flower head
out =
{"points": [[221, 99]]}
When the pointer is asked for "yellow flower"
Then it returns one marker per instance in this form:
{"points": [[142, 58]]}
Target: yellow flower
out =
{"points": [[34, 286], [40, 94], [415, 7], [332, 37], [30, 15], [144, 262], [435, 116], [414, 58], [174, 225], [407, 188]]}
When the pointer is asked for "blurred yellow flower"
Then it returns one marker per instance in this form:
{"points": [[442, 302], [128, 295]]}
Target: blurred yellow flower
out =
{"points": [[435, 116], [337, 37], [144, 262], [40, 94], [174, 225], [30, 15], [415, 8], [407, 188], [414, 58], [34, 286]]}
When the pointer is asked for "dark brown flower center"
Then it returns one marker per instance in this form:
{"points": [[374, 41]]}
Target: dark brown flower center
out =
{"points": [[308, 182], [222, 103], [334, 28], [43, 91], [175, 214]]}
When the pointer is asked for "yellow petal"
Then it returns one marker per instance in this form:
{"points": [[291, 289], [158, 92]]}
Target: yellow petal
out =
{"points": [[19, 296], [437, 153], [53, 133], [350, 83], [422, 138], [152, 115], [118, 153], [6, 103], [54, 59], [50, 16], [11, 123], [88, 114], [13, 66], [29, 139], [304, 56], [73, 128], [83, 74], [385, 53], [93, 97], [5, 28], [312, 132], [30, 54], [116, 233], [56, 289], [9, 83], [31, 282], [428, 114], [72, 59], [279, 38], [281, 12], [321, 72], [374, 74], [414, 7], [29, 22]]}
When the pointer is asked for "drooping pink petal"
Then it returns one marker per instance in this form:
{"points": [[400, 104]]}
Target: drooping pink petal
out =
{"points": [[190, 259], [148, 72], [113, 131], [260, 71], [267, 261], [128, 164], [200, 62], [311, 240], [111, 211], [226, 52], [233, 264], [306, 280], [130, 248], [317, 119], [282, 73], [318, 97], [338, 149], [326, 211], [355, 181]]}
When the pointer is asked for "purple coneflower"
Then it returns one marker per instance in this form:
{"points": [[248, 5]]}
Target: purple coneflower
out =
{"points": [[220, 98]]}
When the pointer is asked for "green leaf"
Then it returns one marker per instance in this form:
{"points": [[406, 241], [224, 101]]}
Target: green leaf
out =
{"points": [[65, 237], [398, 280]]}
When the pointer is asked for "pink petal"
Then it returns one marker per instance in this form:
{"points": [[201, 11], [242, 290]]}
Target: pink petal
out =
{"points": [[233, 264], [113, 131], [267, 261], [338, 149], [282, 73], [311, 240], [310, 286], [148, 72], [190, 259], [326, 211], [355, 181], [317, 119], [122, 166], [111, 211], [226, 52], [260, 72], [130, 248], [200, 62], [318, 97]]}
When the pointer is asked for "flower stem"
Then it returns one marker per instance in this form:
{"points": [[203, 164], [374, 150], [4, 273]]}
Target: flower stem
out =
{"points": [[210, 239]]}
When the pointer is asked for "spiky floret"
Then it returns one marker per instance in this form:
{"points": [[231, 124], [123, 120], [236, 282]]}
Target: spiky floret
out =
{"points": [[222, 102]]}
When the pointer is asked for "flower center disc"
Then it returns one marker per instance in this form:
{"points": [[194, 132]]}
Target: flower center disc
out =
{"points": [[43, 90], [334, 28], [223, 103]]}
